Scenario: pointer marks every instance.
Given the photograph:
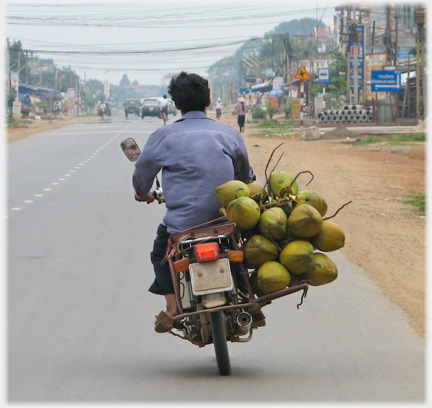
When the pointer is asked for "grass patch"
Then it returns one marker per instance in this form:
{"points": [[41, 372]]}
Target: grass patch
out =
{"points": [[412, 137], [370, 140], [394, 139], [419, 202], [271, 124]]}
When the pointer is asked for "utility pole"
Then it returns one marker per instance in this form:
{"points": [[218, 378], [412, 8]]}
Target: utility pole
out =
{"points": [[388, 34], [8, 66], [420, 18]]}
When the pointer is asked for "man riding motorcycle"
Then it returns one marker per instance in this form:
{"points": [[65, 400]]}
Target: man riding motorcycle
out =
{"points": [[163, 105], [196, 154]]}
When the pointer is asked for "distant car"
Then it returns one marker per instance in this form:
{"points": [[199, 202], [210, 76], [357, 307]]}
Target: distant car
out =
{"points": [[150, 107], [132, 106]]}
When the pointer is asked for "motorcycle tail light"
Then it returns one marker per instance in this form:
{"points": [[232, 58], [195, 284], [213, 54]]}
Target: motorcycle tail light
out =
{"points": [[207, 252]]}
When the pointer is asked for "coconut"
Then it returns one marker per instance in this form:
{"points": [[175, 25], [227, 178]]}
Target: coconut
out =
{"points": [[244, 212], [272, 276], [257, 192], [289, 237], [305, 221], [273, 223], [254, 284], [313, 199], [280, 181], [254, 188], [297, 257], [322, 271], [330, 238], [231, 190], [258, 250]]}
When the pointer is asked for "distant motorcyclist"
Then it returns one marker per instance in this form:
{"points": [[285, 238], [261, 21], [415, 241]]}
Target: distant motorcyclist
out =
{"points": [[218, 107], [163, 104], [101, 107]]}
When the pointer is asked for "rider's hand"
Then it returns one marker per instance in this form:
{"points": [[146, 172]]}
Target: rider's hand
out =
{"points": [[150, 198]]}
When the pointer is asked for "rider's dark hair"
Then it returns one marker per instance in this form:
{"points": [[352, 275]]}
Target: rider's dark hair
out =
{"points": [[190, 92]]}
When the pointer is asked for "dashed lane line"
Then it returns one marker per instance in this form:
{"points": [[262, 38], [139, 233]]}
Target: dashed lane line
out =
{"points": [[61, 179]]}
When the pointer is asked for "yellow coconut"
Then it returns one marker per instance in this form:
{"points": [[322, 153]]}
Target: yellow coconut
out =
{"points": [[254, 284], [330, 238], [254, 188], [313, 199], [244, 212], [297, 257], [272, 276], [258, 250], [231, 190], [322, 271], [280, 181], [273, 223], [305, 221]]}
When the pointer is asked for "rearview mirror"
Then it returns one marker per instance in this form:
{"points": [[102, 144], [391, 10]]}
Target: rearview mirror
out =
{"points": [[131, 149]]}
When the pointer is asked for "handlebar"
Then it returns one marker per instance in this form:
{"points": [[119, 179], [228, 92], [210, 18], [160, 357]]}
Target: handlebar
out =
{"points": [[158, 195]]}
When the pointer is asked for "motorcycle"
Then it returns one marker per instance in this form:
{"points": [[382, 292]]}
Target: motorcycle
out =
{"points": [[214, 296]]}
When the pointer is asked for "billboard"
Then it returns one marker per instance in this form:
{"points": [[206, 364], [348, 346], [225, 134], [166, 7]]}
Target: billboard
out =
{"points": [[373, 62], [358, 49]]}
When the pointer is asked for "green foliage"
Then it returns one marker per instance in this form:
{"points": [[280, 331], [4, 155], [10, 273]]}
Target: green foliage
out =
{"points": [[259, 113], [338, 76], [287, 109], [271, 108], [44, 105], [419, 202], [10, 120]]}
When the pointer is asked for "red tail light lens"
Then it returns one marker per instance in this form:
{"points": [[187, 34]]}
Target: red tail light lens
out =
{"points": [[207, 252]]}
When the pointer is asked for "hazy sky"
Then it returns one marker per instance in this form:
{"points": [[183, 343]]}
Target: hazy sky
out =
{"points": [[165, 36]]}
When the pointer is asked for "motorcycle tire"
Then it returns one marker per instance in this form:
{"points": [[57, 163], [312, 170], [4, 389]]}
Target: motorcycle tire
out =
{"points": [[220, 343]]}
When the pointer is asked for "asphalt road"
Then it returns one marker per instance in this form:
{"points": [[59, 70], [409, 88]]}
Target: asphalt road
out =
{"points": [[80, 318]]}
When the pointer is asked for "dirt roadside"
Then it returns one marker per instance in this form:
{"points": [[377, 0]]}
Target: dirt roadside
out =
{"points": [[383, 234]]}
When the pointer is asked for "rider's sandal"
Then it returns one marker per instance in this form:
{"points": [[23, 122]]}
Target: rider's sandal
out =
{"points": [[164, 322]]}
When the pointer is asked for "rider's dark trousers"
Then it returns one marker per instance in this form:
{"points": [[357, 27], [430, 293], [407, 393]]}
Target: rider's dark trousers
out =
{"points": [[162, 284]]}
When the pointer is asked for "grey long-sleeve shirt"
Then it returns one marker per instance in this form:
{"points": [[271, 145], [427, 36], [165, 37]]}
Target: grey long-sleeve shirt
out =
{"points": [[196, 154]]}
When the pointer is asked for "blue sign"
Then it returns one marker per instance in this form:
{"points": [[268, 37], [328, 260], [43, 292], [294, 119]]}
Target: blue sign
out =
{"points": [[386, 81], [405, 54], [357, 48], [323, 75]]}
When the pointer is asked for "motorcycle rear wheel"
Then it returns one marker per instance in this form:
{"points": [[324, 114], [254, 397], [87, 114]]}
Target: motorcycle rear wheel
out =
{"points": [[220, 343]]}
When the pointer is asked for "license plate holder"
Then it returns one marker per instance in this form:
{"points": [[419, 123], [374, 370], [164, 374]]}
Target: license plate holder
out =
{"points": [[211, 277]]}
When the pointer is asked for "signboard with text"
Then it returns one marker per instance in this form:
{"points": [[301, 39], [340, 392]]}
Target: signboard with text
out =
{"points": [[374, 62], [386, 81], [357, 47], [295, 108], [15, 83]]}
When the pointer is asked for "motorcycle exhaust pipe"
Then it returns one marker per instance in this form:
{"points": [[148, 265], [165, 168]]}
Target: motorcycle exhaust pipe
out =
{"points": [[244, 321]]}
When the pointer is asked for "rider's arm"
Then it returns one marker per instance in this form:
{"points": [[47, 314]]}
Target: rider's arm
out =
{"points": [[147, 167]]}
